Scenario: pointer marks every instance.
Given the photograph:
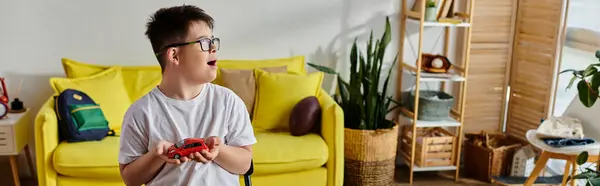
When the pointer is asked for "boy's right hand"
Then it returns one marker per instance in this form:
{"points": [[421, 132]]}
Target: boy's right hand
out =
{"points": [[160, 150]]}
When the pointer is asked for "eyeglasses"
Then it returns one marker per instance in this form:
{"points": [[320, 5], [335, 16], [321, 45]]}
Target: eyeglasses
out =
{"points": [[205, 44]]}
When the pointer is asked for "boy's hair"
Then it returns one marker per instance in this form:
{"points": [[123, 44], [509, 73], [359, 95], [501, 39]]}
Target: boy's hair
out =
{"points": [[170, 25]]}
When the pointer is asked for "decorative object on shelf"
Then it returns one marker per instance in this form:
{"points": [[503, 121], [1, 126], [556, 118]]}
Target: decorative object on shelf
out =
{"points": [[4, 93], [523, 162], [435, 146], [430, 11], [370, 139], [489, 155], [3, 110], [442, 8], [16, 106], [433, 105], [450, 20], [435, 63], [446, 9]]}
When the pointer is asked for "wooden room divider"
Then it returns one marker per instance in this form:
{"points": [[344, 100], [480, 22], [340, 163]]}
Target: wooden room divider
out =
{"points": [[515, 50]]}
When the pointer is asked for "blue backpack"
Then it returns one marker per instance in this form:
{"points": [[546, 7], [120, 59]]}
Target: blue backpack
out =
{"points": [[79, 117]]}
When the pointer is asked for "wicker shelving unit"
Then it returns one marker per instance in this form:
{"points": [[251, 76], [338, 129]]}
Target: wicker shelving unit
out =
{"points": [[416, 153]]}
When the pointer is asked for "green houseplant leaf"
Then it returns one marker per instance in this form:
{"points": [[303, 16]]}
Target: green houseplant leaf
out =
{"points": [[322, 68], [582, 158], [585, 95], [363, 105]]}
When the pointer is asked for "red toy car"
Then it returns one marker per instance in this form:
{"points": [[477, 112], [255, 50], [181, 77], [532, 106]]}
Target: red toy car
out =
{"points": [[185, 147]]}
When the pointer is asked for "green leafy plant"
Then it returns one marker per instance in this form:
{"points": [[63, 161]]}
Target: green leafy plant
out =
{"points": [[588, 82], [363, 105], [590, 175], [430, 4], [587, 87]]}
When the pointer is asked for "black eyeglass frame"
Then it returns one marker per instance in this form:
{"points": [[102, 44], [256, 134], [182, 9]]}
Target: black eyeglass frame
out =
{"points": [[212, 42]]}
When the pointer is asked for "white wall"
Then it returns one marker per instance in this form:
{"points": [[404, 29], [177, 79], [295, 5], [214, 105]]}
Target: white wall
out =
{"points": [[583, 14]]}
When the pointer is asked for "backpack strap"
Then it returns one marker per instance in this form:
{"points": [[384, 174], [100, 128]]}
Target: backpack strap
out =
{"points": [[111, 132]]}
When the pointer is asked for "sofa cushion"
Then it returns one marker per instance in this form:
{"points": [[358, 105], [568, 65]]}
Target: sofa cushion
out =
{"points": [[274, 153], [294, 64], [90, 159], [105, 88], [243, 83], [274, 114], [138, 80], [281, 152]]}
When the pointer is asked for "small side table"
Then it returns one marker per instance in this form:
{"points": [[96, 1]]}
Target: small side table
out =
{"points": [[14, 137]]}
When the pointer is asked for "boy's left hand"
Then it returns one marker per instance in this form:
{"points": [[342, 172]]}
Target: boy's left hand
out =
{"points": [[205, 156]]}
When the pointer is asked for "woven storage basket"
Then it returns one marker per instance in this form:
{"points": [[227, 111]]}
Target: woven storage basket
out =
{"points": [[370, 156], [434, 146], [433, 105], [489, 157]]}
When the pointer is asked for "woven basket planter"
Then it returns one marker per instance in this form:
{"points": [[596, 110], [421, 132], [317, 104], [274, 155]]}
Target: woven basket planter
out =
{"points": [[486, 162], [370, 156], [433, 105]]}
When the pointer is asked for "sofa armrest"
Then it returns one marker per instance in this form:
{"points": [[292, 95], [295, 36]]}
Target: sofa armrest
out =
{"points": [[46, 140], [332, 130]]}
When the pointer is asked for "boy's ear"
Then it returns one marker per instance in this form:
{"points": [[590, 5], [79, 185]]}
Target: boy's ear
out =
{"points": [[172, 56]]}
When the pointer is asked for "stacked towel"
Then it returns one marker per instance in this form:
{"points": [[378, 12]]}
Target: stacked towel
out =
{"points": [[562, 132], [564, 142]]}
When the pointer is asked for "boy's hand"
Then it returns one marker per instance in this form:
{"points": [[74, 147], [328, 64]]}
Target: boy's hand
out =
{"points": [[161, 149], [204, 156]]}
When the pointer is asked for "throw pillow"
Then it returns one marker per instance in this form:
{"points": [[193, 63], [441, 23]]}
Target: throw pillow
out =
{"points": [[105, 88], [138, 80], [277, 94], [243, 83], [305, 116], [294, 64]]}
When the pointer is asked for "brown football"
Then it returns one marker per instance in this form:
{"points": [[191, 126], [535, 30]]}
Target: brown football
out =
{"points": [[305, 116]]}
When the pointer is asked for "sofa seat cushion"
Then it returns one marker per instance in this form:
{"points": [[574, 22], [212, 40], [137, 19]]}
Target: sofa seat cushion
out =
{"points": [[280, 152], [90, 159], [273, 154]]}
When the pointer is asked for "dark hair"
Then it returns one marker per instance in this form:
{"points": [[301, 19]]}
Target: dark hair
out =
{"points": [[170, 25]]}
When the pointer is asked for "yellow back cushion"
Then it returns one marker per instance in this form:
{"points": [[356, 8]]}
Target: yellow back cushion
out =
{"points": [[294, 64], [277, 94], [138, 80], [105, 88]]}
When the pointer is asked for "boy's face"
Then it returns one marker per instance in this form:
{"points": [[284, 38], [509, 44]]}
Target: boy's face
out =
{"points": [[197, 62]]}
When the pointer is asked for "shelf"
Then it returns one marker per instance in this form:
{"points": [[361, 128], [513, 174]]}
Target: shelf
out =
{"points": [[425, 76], [439, 168], [437, 24], [427, 169], [450, 122]]}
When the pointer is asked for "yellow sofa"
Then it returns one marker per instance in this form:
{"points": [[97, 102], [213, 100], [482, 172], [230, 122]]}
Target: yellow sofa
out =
{"points": [[279, 158]]}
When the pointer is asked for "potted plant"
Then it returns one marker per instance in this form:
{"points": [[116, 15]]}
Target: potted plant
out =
{"points": [[370, 139], [588, 93], [430, 11]]}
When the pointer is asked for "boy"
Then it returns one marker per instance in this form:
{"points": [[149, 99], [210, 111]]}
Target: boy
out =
{"points": [[185, 104]]}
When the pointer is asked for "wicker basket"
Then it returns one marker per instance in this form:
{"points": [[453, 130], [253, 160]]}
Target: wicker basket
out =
{"points": [[434, 146], [370, 156], [489, 155], [433, 105]]}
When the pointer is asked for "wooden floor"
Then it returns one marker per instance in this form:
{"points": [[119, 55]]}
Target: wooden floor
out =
{"points": [[445, 178], [421, 178]]}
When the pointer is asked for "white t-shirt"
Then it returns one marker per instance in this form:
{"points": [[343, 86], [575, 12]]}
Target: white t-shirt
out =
{"points": [[216, 111]]}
